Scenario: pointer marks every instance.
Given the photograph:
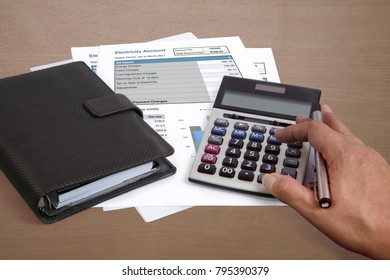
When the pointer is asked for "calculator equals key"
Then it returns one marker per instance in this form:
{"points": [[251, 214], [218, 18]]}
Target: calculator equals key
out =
{"points": [[239, 144]]}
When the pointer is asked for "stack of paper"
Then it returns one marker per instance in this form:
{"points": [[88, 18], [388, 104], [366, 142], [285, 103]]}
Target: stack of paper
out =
{"points": [[175, 81]]}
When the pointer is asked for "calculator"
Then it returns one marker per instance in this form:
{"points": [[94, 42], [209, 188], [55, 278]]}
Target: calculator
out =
{"points": [[239, 145]]}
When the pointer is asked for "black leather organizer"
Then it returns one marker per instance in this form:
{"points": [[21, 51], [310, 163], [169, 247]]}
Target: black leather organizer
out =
{"points": [[62, 129]]}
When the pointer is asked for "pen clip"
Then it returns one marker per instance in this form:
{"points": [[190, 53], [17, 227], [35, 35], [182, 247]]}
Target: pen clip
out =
{"points": [[315, 183]]}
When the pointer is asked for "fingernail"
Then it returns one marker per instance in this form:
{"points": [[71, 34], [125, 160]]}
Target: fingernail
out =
{"points": [[268, 181], [326, 109]]}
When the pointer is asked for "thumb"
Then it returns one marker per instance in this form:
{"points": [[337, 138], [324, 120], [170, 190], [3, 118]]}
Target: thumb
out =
{"points": [[289, 191]]}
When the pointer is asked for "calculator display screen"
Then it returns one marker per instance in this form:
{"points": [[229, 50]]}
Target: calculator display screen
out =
{"points": [[264, 103]]}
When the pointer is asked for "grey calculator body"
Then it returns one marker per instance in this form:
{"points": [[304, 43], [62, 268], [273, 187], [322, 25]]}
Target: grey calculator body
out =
{"points": [[238, 146]]}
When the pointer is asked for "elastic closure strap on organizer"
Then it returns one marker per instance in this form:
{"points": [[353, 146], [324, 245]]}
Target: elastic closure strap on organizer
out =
{"points": [[110, 104]]}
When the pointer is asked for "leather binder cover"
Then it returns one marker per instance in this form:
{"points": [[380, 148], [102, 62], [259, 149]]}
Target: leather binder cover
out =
{"points": [[50, 141]]}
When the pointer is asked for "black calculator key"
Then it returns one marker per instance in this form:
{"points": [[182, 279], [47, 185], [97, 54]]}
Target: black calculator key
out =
{"points": [[215, 139], [233, 152], [207, 168], [296, 144], [221, 122], [272, 140], [236, 143], [267, 168], [239, 134], [272, 149], [270, 158], [253, 146], [291, 162], [251, 155], [227, 172], [230, 161], [259, 128], [218, 130], [256, 136], [241, 125], [273, 130], [293, 152], [248, 165], [288, 171], [246, 175], [260, 178]]}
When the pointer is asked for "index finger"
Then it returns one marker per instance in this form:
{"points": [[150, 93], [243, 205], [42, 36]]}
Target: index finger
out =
{"points": [[324, 139]]}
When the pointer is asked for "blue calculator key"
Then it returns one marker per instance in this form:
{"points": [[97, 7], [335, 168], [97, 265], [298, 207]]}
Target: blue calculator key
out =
{"points": [[272, 140], [239, 134], [218, 130], [256, 136]]}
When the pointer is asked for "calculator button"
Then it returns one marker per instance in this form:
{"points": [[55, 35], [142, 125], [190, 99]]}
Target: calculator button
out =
{"points": [[254, 146], [207, 168], [246, 175], [233, 152], [221, 122], [227, 172], [267, 168], [218, 130], [209, 158], [272, 140], [215, 139], [273, 130], [239, 134], [236, 143], [269, 158], [272, 149], [259, 128], [296, 144], [251, 155], [248, 165], [241, 125], [291, 162], [260, 178], [293, 152], [212, 149], [291, 172], [230, 161], [256, 136]]}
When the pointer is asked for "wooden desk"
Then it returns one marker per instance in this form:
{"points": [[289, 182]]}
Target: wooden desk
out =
{"points": [[341, 47]]}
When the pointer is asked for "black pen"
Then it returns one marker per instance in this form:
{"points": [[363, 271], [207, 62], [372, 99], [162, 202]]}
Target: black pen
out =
{"points": [[323, 190]]}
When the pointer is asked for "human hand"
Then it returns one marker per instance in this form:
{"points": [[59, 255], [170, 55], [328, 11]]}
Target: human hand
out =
{"points": [[359, 180]]}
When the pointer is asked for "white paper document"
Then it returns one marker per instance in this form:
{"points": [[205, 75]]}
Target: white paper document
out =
{"points": [[152, 213], [108, 183], [90, 54], [175, 84]]}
